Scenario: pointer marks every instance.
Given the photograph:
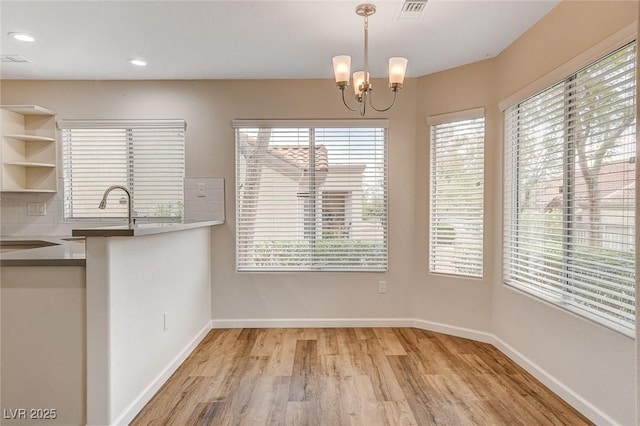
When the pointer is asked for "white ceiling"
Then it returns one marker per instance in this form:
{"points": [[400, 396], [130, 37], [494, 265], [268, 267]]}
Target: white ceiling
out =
{"points": [[250, 39]]}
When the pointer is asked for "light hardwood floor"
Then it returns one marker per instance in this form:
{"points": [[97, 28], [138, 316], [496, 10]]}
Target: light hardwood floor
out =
{"points": [[351, 376]]}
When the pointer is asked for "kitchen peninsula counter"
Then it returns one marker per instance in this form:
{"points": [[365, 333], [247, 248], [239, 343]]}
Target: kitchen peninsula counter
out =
{"points": [[62, 251], [145, 228], [70, 251], [148, 306]]}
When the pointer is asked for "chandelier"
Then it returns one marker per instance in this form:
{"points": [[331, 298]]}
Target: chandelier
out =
{"points": [[361, 82]]}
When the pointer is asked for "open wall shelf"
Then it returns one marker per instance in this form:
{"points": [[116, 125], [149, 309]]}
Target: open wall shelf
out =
{"points": [[28, 149]]}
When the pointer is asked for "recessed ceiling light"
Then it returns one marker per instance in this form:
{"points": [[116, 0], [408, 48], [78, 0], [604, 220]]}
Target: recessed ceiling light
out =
{"points": [[138, 62], [22, 37]]}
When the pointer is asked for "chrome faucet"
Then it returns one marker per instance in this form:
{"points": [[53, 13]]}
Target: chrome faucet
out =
{"points": [[103, 203]]}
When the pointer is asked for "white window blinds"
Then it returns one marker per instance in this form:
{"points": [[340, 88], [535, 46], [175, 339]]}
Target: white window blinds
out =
{"points": [[570, 192], [146, 156], [457, 194], [311, 196]]}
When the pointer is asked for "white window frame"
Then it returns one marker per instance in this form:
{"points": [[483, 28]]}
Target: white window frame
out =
{"points": [[376, 261], [456, 249], [564, 73], [142, 136]]}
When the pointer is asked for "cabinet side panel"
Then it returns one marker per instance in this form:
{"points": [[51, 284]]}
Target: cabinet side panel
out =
{"points": [[12, 122]]}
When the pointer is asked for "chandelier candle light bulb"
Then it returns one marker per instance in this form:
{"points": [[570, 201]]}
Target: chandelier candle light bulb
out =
{"points": [[342, 69], [361, 79], [397, 69], [358, 82]]}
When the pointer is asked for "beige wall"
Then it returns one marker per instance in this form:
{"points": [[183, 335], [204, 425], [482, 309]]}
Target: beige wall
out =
{"points": [[208, 107], [595, 363], [566, 31], [590, 366], [458, 302]]}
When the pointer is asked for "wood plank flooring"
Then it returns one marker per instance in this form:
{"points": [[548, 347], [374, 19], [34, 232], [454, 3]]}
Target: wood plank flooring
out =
{"points": [[351, 376]]}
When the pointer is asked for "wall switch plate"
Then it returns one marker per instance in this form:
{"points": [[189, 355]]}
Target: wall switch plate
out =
{"points": [[165, 319], [382, 287], [202, 189], [36, 209]]}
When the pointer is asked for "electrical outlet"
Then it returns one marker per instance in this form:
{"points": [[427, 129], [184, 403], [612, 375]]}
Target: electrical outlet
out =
{"points": [[202, 189], [36, 209], [382, 287], [165, 318]]}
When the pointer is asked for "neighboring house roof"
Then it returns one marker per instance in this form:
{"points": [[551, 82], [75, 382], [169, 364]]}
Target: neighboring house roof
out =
{"points": [[622, 198], [292, 161], [299, 156], [617, 184]]}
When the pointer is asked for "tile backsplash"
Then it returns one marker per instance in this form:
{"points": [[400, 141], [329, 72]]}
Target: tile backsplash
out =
{"points": [[14, 220]]}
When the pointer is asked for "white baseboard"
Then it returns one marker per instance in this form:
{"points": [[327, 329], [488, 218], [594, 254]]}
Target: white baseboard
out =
{"points": [[145, 396], [312, 323], [582, 405], [467, 333], [355, 322], [576, 401]]}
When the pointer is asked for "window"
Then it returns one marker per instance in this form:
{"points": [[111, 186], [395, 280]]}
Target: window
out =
{"points": [[311, 196], [457, 193], [146, 156], [570, 192]]}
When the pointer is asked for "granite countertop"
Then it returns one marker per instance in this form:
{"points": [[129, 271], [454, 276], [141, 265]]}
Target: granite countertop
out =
{"points": [[61, 251], [70, 251], [145, 228]]}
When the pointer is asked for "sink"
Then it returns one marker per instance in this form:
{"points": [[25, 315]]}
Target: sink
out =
{"points": [[14, 245]]}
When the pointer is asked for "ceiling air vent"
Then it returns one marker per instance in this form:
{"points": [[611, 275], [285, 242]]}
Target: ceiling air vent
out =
{"points": [[13, 58], [412, 10]]}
